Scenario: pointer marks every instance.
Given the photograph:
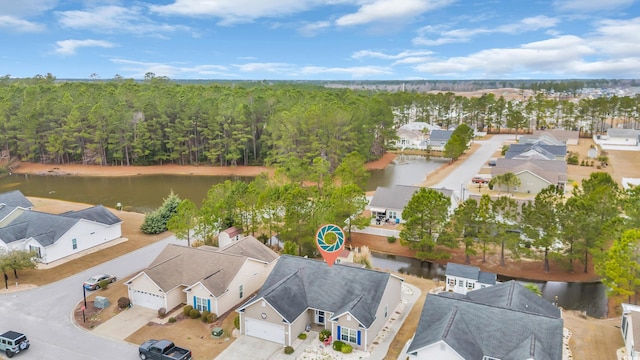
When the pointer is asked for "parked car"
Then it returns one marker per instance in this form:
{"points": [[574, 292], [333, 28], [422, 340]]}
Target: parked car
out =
{"points": [[13, 342], [479, 180], [93, 283], [492, 163], [163, 350]]}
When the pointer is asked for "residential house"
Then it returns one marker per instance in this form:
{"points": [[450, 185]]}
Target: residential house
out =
{"points": [[15, 198], [55, 237], [387, 204], [544, 138], [410, 139], [438, 139], [215, 280], [621, 137], [464, 278], [354, 303], [534, 175], [506, 322], [567, 137], [536, 151], [229, 236], [630, 329]]}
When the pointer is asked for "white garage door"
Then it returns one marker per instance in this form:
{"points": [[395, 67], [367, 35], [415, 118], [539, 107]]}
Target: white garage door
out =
{"points": [[146, 299], [264, 330]]}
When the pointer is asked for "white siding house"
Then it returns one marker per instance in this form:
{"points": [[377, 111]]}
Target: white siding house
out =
{"points": [[464, 278], [630, 329]]}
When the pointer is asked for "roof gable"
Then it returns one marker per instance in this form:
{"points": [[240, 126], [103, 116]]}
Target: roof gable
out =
{"points": [[297, 283], [475, 329], [15, 198], [398, 196], [251, 247], [181, 265], [97, 213], [44, 228]]}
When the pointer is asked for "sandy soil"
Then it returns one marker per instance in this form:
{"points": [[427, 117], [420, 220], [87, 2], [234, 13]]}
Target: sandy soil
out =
{"points": [[95, 170]]}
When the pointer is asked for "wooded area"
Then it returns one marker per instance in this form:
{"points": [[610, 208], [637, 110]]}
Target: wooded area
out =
{"points": [[124, 122]]}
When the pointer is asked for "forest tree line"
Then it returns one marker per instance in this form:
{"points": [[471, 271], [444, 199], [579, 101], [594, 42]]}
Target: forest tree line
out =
{"points": [[123, 122]]}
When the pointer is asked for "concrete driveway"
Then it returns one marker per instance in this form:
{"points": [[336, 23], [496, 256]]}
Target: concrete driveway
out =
{"points": [[247, 347], [126, 323]]}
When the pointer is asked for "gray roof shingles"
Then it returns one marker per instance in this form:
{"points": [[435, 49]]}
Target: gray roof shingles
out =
{"points": [[506, 321], [470, 272], [15, 198], [398, 196], [296, 284], [97, 213]]}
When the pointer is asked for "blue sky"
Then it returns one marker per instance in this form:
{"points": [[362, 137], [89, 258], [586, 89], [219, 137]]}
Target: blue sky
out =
{"points": [[321, 39]]}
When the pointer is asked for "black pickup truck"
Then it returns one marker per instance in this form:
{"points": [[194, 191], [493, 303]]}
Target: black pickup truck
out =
{"points": [[163, 350]]}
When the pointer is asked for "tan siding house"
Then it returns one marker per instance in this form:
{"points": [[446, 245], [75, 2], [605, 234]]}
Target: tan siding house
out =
{"points": [[349, 301], [215, 280]]}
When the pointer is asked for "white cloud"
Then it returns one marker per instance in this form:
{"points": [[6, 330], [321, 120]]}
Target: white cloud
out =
{"points": [[313, 28], [618, 38], [560, 55], [19, 25], [355, 72], [238, 11], [443, 36], [388, 10], [24, 8], [584, 6], [138, 69], [114, 19], [69, 47], [375, 54], [264, 67]]}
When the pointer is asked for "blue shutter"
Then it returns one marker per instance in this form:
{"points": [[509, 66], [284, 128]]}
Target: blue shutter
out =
{"points": [[359, 332], [195, 305], [339, 334], [209, 305]]}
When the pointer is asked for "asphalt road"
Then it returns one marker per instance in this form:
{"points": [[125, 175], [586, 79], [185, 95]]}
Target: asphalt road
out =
{"points": [[44, 314], [462, 174]]}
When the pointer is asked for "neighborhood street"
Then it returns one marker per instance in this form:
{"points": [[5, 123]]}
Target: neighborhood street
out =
{"points": [[462, 174], [44, 314]]}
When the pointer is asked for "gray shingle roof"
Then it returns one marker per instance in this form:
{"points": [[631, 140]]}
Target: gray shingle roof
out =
{"points": [[622, 133], [496, 326], [15, 198], [553, 171], [97, 213], [44, 228], [470, 272], [440, 135], [398, 196], [297, 283], [544, 149]]}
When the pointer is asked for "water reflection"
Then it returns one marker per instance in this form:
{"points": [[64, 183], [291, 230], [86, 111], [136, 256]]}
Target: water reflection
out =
{"points": [[588, 297], [139, 193], [405, 170]]}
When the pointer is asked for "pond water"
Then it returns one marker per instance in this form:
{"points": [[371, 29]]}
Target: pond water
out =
{"points": [[588, 297], [146, 192]]}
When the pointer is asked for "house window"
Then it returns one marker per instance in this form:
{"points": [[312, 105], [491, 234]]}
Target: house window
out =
{"points": [[461, 283], [241, 291], [200, 304], [36, 250], [469, 285], [393, 214], [386, 311], [74, 244], [452, 282], [349, 335]]}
